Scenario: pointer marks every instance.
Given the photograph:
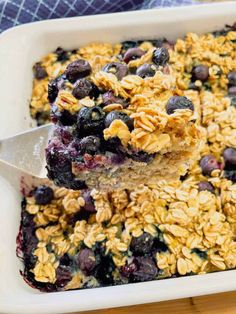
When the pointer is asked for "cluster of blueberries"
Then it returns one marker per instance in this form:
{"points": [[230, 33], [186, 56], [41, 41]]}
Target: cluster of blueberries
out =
{"points": [[94, 261], [81, 134], [90, 122]]}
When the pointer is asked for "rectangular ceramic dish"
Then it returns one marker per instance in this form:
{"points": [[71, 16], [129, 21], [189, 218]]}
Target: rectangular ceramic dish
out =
{"points": [[19, 49]]}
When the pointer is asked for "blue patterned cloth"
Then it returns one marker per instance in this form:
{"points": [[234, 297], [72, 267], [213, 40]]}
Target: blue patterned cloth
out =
{"points": [[15, 12]]}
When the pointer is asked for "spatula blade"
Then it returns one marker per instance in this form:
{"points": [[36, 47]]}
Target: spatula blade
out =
{"points": [[26, 151]]}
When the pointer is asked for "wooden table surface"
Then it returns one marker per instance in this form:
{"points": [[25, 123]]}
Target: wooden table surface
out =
{"points": [[222, 303]]}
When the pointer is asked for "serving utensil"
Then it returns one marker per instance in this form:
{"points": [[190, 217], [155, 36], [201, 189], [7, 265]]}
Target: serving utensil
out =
{"points": [[26, 151]]}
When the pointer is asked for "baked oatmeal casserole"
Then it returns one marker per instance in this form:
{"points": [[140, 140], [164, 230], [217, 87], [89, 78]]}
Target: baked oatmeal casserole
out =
{"points": [[80, 238]]}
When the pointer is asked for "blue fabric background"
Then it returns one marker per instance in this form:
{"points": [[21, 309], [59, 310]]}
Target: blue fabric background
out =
{"points": [[15, 12]]}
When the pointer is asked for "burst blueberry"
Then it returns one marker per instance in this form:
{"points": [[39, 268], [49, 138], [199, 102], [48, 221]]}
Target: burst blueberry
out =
{"points": [[205, 186], [86, 260], [178, 102], [133, 54], [119, 115], [117, 68], [90, 145], [160, 56], [141, 156], [128, 269], [63, 276], [142, 245], [146, 70], [146, 269], [104, 271], [109, 98], [77, 69], [43, 195], [84, 88], [208, 164]]}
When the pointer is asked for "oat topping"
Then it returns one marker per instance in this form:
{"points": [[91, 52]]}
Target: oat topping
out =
{"points": [[164, 229]]}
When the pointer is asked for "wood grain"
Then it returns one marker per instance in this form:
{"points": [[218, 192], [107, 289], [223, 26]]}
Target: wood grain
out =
{"points": [[223, 303]]}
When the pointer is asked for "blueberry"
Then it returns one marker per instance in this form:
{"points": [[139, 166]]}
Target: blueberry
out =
{"points": [[89, 203], [158, 43], [86, 260], [64, 117], [54, 86], [118, 69], [178, 102], [59, 168], [141, 156], [26, 240], [65, 260], [109, 98], [159, 246], [77, 69], [79, 216], [91, 120], [119, 115], [233, 101], [43, 195], [104, 271], [146, 70], [127, 45], [193, 86], [117, 158], [201, 254], [62, 55], [160, 56], [232, 78], [229, 155], [64, 134], [128, 269], [114, 145], [209, 163], [234, 26], [89, 144], [200, 72], [232, 91], [84, 88], [146, 269], [230, 175], [206, 186], [142, 245], [132, 54], [39, 71], [63, 275]]}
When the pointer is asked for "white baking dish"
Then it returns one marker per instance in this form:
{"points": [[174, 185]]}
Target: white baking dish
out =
{"points": [[19, 49]]}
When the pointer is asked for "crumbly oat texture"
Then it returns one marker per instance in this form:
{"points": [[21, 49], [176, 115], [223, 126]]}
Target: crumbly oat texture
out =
{"points": [[128, 121], [86, 238]]}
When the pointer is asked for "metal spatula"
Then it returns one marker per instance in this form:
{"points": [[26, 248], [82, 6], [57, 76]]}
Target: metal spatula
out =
{"points": [[26, 151]]}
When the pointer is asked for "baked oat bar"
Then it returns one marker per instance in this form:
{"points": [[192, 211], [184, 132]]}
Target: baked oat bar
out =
{"points": [[123, 125], [81, 239]]}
